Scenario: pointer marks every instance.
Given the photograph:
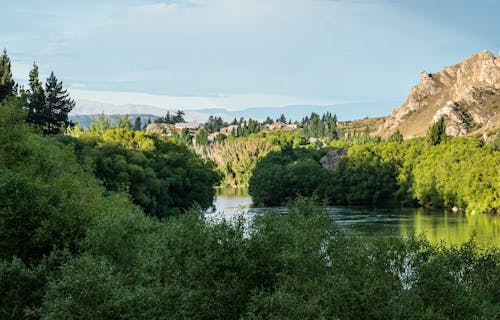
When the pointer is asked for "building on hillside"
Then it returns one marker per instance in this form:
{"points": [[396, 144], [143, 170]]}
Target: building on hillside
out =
{"points": [[229, 129], [187, 125], [291, 126], [190, 126], [276, 126]]}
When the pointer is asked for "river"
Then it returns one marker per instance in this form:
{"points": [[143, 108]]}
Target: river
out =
{"points": [[437, 225]]}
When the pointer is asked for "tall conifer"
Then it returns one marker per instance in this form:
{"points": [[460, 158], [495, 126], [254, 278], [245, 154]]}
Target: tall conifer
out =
{"points": [[58, 105], [7, 84], [36, 98]]}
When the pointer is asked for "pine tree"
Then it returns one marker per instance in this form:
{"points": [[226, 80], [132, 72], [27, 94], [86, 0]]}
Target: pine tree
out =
{"points": [[58, 105], [179, 117], [36, 98], [138, 124], [7, 85], [281, 119]]}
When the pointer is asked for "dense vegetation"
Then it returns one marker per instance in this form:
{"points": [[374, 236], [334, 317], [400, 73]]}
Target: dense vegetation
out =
{"points": [[75, 247], [162, 176], [449, 172]]}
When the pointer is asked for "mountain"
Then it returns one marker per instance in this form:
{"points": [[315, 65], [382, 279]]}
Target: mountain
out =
{"points": [[86, 120], [86, 109], [466, 94], [344, 111], [93, 108]]}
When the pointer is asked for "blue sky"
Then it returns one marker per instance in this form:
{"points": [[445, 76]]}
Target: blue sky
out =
{"points": [[239, 53]]}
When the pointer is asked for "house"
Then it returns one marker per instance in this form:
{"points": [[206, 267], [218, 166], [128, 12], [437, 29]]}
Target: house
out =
{"points": [[187, 125], [291, 126], [190, 126], [276, 126], [229, 129]]}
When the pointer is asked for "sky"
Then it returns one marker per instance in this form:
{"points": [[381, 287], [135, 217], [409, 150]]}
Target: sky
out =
{"points": [[244, 53]]}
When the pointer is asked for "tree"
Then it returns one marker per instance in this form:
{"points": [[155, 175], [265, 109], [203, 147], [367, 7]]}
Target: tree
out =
{"points": [[202, 138], [58, 105], [138, 124], [36, 98], [397, 136], [437, 132], [7, 85], [179, 117], [281, 119], [268, 121]]}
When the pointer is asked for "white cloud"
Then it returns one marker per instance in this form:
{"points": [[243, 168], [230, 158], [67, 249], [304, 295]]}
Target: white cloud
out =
{"points": [[230, 102]]}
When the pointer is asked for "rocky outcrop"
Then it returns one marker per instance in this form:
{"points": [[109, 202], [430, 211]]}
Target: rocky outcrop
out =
{"points": [[467, 95], [330, 160]]}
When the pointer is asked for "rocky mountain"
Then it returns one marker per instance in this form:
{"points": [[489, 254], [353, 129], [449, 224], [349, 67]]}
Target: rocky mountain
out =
{"points": [[467, 95]]}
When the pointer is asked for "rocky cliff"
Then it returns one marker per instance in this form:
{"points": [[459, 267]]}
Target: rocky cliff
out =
{"points": [[467, 95]]}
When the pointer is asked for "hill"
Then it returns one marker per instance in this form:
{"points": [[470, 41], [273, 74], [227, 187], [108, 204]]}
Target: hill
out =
{"points": [[345, 111], [467, 95]]}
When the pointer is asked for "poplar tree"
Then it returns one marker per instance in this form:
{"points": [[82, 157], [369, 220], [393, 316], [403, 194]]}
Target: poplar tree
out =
{"points": [[58, 105], [8, 86]]}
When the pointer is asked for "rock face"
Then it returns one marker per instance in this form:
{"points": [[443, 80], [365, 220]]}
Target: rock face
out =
{"points": [[467, 95], [330, 160]]}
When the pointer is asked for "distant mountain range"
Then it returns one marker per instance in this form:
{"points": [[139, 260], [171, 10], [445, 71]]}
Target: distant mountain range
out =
{"points": [[466, 95], [87, 110]]}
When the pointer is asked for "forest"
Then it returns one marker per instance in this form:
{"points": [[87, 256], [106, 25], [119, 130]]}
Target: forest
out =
{"points": [[108, 223]]}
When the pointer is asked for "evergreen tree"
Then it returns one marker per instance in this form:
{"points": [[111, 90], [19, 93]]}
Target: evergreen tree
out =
{"points": [[281, 119], [268, 121], [7, 85], [36, 98], [58, 105], [179, 117], [437, 132], [138, 124]]}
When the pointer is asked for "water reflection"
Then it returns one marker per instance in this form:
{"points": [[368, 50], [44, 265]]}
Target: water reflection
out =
{"points": [[437, 225]]}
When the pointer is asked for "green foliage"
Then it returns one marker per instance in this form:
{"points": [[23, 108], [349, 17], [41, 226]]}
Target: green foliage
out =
{"points": [[236, 158], [284, 175], [214, 124], [294, 266], [8, 86], [172, 119], [49, 108], [46, 199], [36, 98], [164, 177], [397, 136], [58, 105], [437, 132], [458, 172], [20, 287]]}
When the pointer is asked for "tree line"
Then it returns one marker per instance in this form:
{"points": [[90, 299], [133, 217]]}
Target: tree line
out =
{"points": [[434, 171], [48, 105]]}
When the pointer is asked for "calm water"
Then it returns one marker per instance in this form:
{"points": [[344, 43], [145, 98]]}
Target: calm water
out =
{"points": [[437, 225]]}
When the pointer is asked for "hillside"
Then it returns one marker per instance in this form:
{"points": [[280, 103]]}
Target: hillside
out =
{"points": [[467, 95]]}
